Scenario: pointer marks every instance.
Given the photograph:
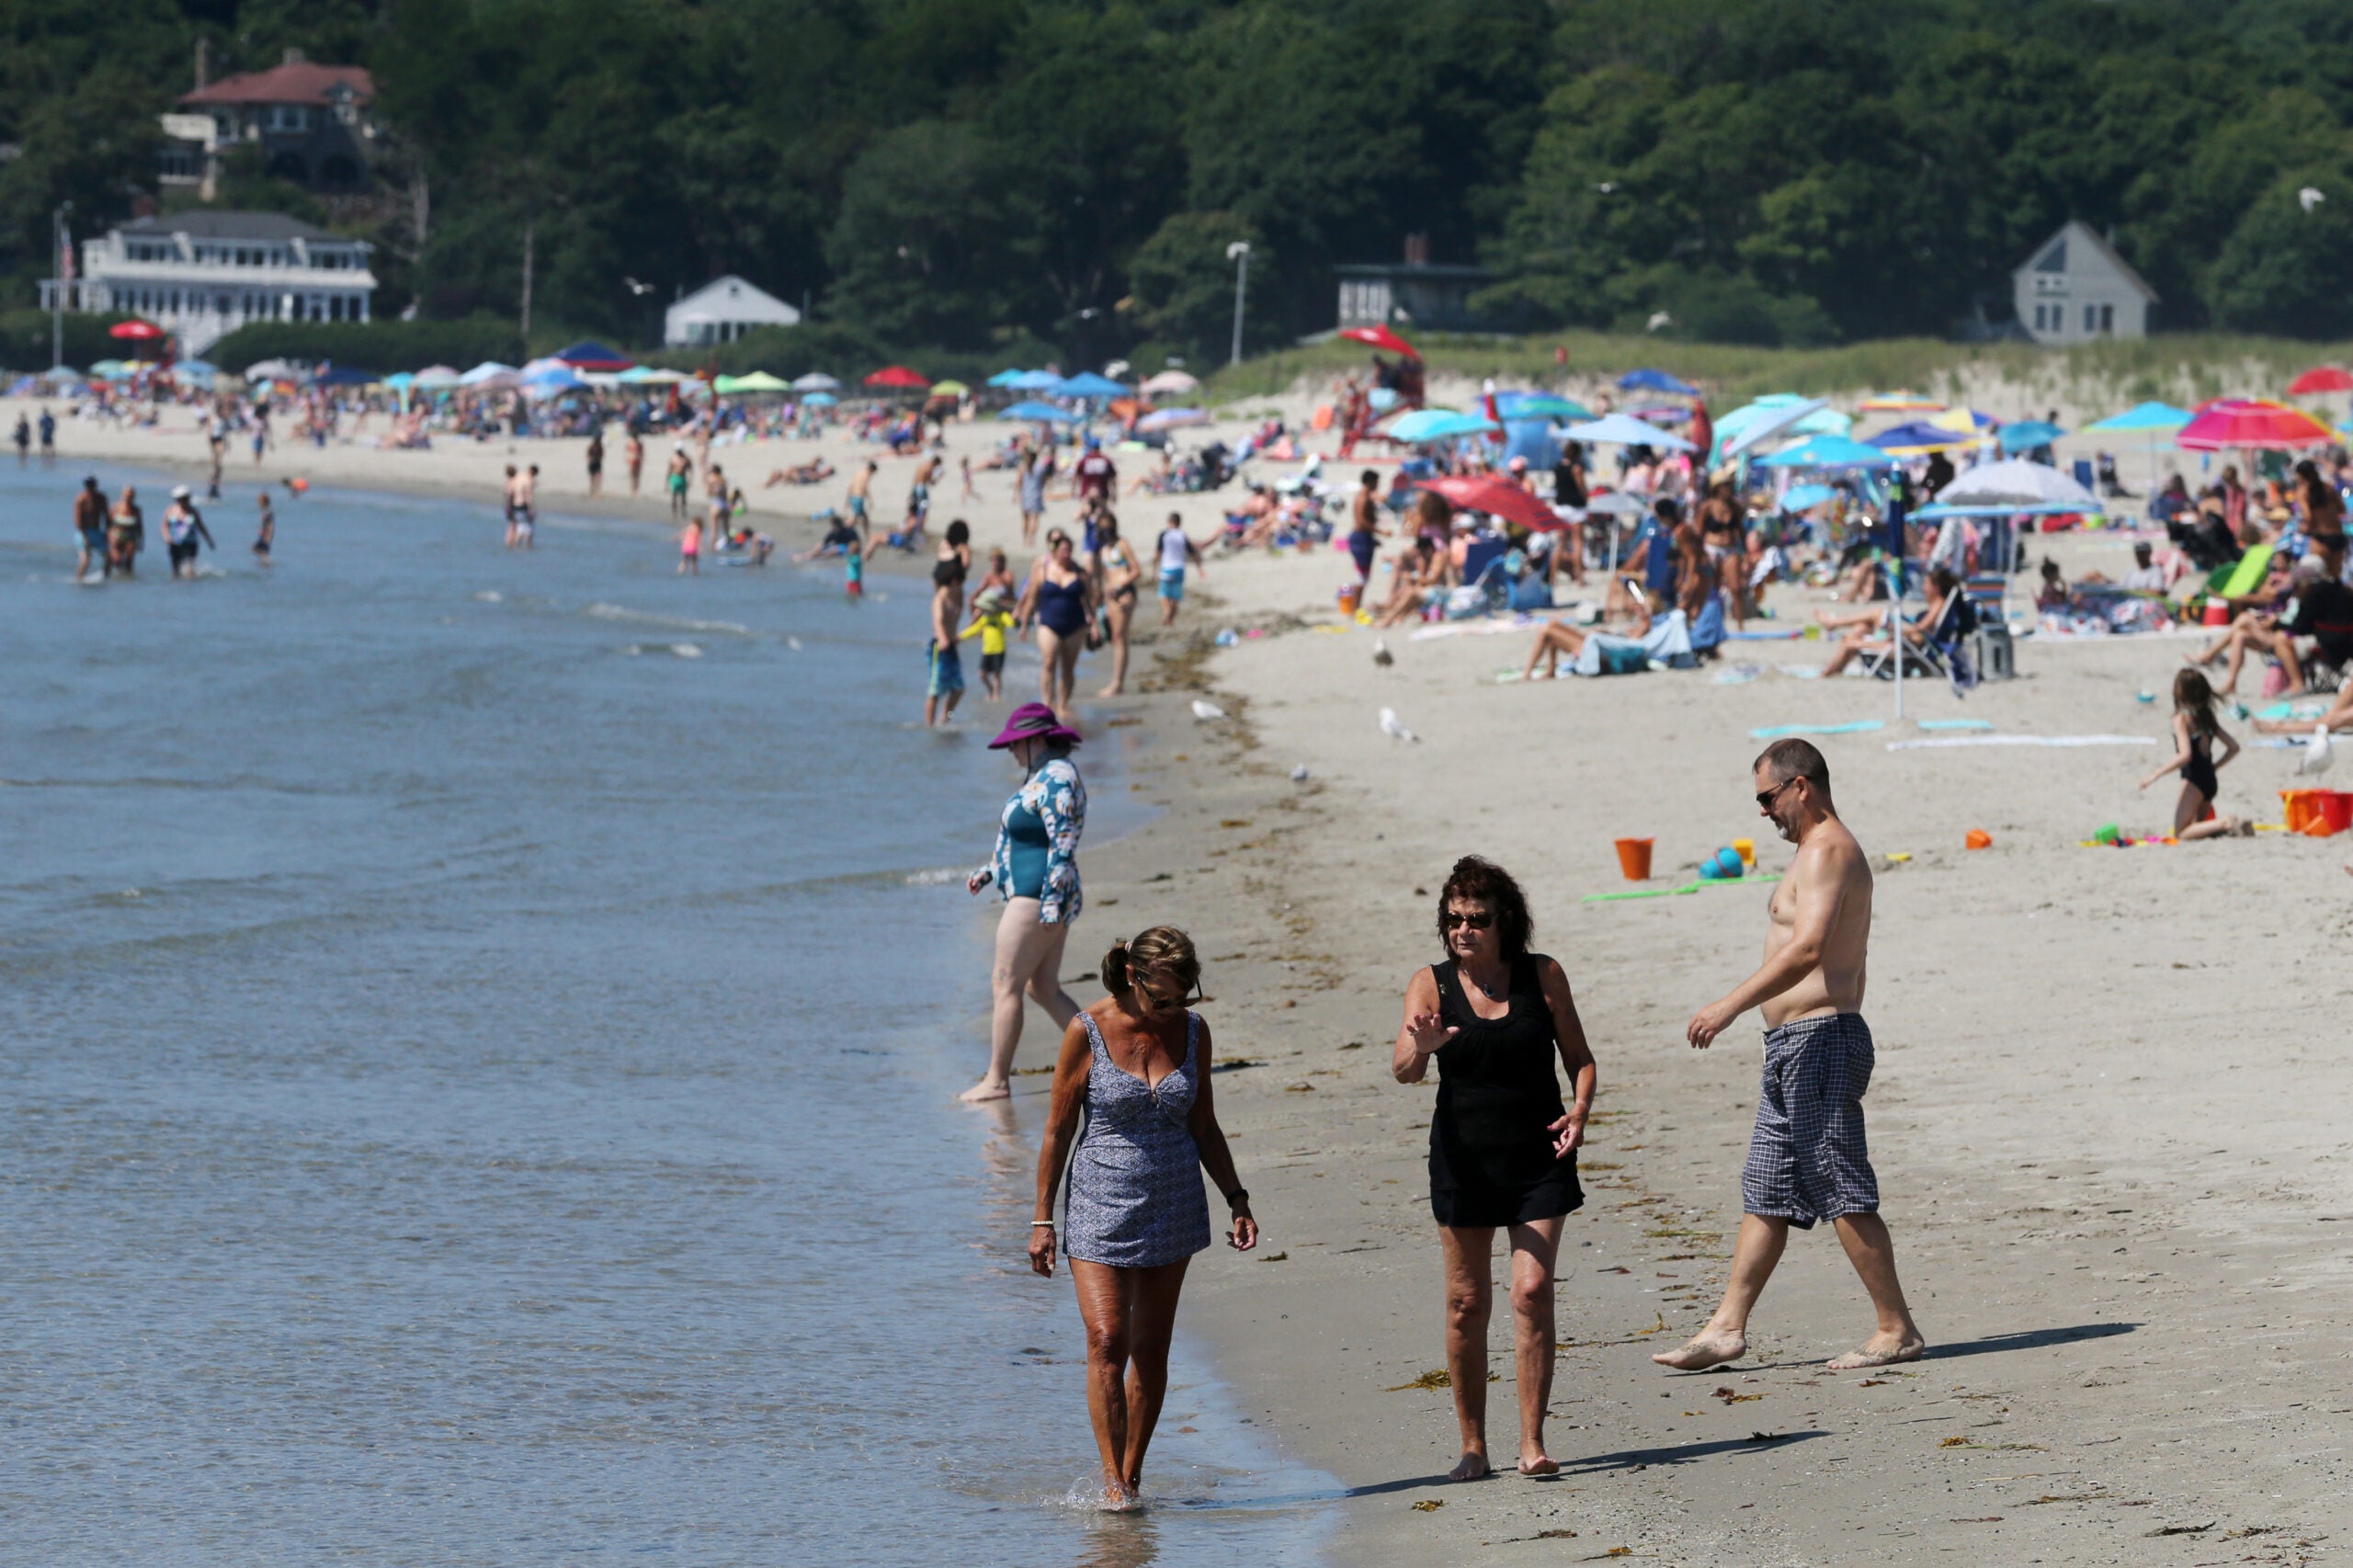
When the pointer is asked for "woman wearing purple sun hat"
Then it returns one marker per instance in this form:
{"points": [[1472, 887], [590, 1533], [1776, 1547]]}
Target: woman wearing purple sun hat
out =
{"points": [[1036, 871]]}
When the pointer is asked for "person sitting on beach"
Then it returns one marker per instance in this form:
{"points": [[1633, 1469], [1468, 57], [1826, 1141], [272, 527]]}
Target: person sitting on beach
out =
{"points": [[2054, 594], [1496, 1017], [815, 472], [2255, 625], [2196, 733], [839, 536], [1556, 637], [1138, 1064], [1940, 586], [1416, 573]]}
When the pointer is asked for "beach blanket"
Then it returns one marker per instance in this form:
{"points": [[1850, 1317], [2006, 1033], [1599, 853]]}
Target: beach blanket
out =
{"points": [[1859, 727], [2023, 740], [1669, 641]]}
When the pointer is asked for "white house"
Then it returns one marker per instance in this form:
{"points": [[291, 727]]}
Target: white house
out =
{"points": [[722, 310], [201, 275], [2077, 288]]}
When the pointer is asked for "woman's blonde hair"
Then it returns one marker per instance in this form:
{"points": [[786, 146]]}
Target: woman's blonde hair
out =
{"points": [[1161, 953]]}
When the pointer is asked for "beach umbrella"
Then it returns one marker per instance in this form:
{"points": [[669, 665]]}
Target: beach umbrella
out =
{"points": [[111, 371], [821, 399], [2027, 434], [1805, 497], [1497, 498], [1086, 383], [948, 388], [1625, 430], [1438, 424], [1830, 451], [1538, 406], [2250, 422], [1007, 378], [1172, 418], [1777, 414], [1657, 382], [550, 383], [1034, 410], [1898, 402], [1170, 380], [1968, 421], [436, 376], [2321, 379], [1382, 338], [196, 369], [648, 376], [135, 331], [815, 380], [590, 355], [758, 381], [542, 366], [899, 377], [345, 376], [1035, 381], [1917, 439], [399, 380], [484, 374], [2140, 418], [2017, 484]]}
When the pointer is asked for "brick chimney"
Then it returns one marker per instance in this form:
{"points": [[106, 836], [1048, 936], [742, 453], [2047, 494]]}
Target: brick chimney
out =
{"points": [[1417, 250], [295, 57]]}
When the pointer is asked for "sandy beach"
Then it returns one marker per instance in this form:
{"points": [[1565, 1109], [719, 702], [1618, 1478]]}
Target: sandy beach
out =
{"points": [[2106, 1115]]}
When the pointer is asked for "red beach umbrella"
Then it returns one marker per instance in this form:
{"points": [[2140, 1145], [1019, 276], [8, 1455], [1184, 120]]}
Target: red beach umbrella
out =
{"points": [[147, 332], [898, 376], [1382, 338], [2251, 422], [1497, 498], [2321, 379]]}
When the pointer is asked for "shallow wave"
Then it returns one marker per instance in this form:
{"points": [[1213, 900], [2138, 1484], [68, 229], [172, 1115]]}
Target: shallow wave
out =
{"points": [[684, 623]]}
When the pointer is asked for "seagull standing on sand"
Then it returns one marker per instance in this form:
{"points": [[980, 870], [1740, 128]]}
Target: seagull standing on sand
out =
{"points": [[1381, 653], [2317, 756], [1395, 727], [1205, 711]]}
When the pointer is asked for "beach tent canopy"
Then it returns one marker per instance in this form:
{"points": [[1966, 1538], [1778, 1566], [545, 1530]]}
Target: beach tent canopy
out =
{"points": [[437, 376], [948, 388], [550, 382], [1170, 380], [1035, 381], [1625, 430], [1007, 376], [1777, 414], [271, 371], [590, 355], [647, 376], [1086, 383], [1497, 498], [1805, 497], [1538, 406], [2029, 434], [1172, 418], [543, 365], [1440, 425], [1034, 410], [1917, 439], [483, 374], [400, 380], [815, 380], [1830, 451], [135, 331], [2321, 378], [1382, 338], [1898, 402], [758, 381], [2141, 416], [1657, 382], [2017, 484], [345, 376], [2250, 422], [898, 376]]}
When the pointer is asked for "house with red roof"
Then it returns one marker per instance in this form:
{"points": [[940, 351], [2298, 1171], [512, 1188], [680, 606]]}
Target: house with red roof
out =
{"points": [[311, 122]]}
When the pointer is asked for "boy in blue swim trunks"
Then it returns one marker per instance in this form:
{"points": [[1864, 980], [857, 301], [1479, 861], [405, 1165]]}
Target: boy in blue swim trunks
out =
{"points": [[1176, 550]]}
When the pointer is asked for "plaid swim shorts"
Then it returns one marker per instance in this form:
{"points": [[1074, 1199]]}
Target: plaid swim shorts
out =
{"points": [[1808, 1160]]}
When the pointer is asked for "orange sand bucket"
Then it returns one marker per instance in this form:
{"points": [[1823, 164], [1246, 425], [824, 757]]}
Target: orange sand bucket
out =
{"points": [[1634, 859], [1350, 596], [2303, 807], [2335, 808]]}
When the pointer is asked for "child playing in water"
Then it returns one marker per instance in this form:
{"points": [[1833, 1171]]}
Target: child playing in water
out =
{"points": [[268, 534], [691, 548], [2196, 731], [992, 619]]}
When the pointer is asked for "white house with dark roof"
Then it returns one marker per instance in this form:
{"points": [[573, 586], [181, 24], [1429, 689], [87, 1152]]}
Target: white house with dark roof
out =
{"points": [[201, 275], [2075, 289]]}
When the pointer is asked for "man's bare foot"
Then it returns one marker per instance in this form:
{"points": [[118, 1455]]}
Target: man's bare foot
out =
{"points": [[987, 1089], [1706, 1348], [1470, 1467], [1119, 1497], [1536, 1461], [1879, 1350], [1111, 692]]}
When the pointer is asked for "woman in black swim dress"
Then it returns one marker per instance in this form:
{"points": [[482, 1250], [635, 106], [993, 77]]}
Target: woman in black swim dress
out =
{"points": [[1058, 604], [1503, 1147]]}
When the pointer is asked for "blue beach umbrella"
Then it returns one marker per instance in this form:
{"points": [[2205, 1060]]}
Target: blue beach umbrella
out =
{"points": [[1657, 382], [1805, 497], [1008, 377], [1032, 410], [1035, 381], [1089, 384], [1830, 451], [1538, 405], [2140, 418], [2027, 434], [1917, 439]]}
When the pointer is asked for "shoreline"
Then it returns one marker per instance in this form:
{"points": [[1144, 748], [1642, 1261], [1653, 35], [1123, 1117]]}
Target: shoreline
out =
{"points": [[2091, 1286]]}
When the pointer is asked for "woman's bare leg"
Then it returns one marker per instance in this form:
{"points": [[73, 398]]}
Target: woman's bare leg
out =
{"points": [[1066, 660], [1119, 612], [1105, 1306], [1023, 944], [1533, 1248], [1468, 1251], [1050, 655], [1152, 1322], [1044, 984]]}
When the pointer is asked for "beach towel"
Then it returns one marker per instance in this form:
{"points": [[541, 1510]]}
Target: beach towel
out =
{"points": [[1669, 641], [2023, 740], [1778, 731]]}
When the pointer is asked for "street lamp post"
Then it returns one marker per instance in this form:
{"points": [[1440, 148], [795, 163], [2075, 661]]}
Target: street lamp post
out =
{"points": [[60, 257], [1239, 252]]}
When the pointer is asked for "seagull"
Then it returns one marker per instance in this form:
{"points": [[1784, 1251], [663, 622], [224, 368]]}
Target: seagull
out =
{"points": [[1299, 774], [1381, 653], [1395, 727], [2317, 756], [1658, 319], [1205, 711], [1606, 187], [2311, 197]]}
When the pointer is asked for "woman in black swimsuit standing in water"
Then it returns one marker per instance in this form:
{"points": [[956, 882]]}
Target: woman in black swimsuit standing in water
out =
{"points": [[1060, 604], [1502, 1148]]}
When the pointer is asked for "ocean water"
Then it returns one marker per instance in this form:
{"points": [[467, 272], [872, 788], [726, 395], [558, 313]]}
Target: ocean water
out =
{"points": [[477, 1044]]}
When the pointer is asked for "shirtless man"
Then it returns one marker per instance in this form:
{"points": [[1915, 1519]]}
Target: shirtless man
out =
{"points": [[514, 504], [919, 497], [860, 490], [1807, 1159]]}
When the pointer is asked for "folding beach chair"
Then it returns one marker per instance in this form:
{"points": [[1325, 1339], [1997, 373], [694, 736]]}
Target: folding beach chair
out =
{"points": [[1944, 652]]}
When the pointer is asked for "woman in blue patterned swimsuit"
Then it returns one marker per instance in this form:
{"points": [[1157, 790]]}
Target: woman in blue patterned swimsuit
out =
{"points": [[1036, 870], [1139, 1063]]}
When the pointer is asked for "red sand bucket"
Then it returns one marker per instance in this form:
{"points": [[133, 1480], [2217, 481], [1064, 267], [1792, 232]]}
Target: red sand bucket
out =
{"points": [[2335, 808], [1634, 859], [2218, 613]]}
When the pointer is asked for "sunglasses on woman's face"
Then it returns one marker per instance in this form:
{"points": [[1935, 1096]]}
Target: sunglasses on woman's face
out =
{"points": [[1478, 921]]}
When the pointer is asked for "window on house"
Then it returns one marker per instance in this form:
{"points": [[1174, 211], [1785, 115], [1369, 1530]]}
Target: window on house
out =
{"points": [[2107, 319], [289, 117]]}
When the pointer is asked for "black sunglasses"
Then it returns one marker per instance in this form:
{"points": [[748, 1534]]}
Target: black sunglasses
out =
{"points": [[1450, 920], [1764, 801]]}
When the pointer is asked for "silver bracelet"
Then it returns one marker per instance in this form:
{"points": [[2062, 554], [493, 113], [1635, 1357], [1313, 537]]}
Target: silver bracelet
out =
{"points": [[1035, 1223]]}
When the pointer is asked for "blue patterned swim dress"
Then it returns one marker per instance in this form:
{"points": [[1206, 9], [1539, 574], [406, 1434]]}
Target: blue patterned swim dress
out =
{"points": [[1136, 1197]]}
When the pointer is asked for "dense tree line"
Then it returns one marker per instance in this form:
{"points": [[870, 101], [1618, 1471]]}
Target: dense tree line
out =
{"points": [[971, 174]]}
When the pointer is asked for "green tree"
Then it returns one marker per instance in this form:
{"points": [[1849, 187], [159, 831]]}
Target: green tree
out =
{"points": [[924, 251], [2283, 269], [1181, 287]]}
